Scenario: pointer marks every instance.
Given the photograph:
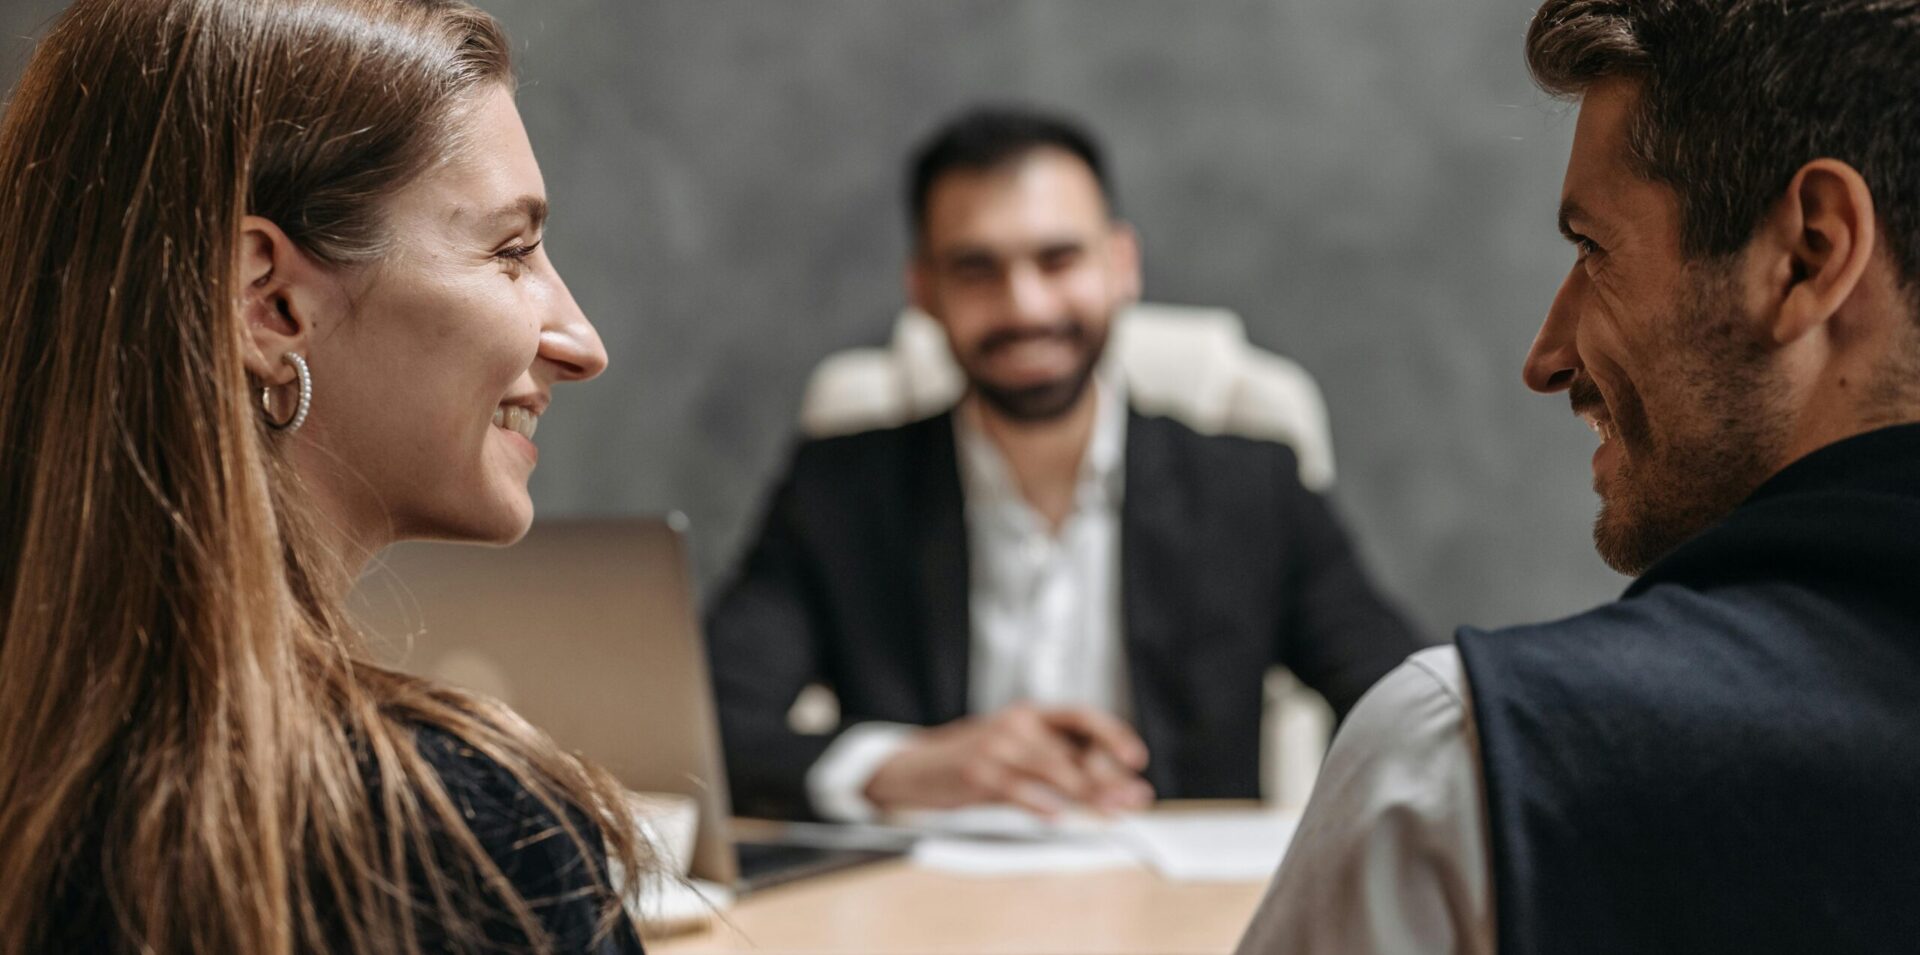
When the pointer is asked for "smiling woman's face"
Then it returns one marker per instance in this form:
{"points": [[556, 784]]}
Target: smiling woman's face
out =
{"points": [[427, 391]]}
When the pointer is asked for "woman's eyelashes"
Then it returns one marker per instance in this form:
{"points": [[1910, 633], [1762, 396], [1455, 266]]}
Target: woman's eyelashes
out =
{"points": [[516, 255]]}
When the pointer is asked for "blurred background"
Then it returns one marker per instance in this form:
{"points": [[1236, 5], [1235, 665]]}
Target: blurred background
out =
{"points": [[1370, 184]]}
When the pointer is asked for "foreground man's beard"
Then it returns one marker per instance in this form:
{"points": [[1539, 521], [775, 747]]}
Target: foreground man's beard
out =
{"points": [[1037, 404], [1722, 436]]}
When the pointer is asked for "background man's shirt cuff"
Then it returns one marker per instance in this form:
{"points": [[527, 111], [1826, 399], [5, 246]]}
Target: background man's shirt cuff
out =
{"points": [[837, 781]]}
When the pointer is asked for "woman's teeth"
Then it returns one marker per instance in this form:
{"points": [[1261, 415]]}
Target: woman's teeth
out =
{"points": [[521, 421]]}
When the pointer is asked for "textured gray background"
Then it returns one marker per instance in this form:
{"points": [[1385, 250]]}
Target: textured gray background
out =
{"points": [[1370, 183]]}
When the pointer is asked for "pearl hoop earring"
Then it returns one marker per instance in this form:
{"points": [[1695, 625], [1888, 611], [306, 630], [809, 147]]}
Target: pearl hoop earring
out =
{"points": [[305, 379]]}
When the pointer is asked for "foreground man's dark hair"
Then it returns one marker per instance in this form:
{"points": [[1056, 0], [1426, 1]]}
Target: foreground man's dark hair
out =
{"points": [[1737, 95]]}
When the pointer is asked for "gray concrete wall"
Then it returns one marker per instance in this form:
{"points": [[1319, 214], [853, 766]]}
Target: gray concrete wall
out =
{"points": [[1370, 183]]}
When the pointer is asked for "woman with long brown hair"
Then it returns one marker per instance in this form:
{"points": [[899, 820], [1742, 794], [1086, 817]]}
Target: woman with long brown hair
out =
{"points": [[271, 297]]}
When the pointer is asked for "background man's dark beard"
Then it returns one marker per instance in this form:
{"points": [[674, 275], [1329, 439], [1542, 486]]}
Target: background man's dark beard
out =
{"points": [[1699, 470], [1037, 404]]}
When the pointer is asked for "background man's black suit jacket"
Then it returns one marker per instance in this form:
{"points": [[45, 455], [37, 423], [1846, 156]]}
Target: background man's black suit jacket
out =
{"points": [[859, 580]]}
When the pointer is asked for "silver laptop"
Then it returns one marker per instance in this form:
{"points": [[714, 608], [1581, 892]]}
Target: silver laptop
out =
{"points": [[587, 628]]}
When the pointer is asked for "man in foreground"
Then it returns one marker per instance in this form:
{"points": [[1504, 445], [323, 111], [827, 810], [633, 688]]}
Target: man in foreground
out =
{"points": [[1727, 759]]}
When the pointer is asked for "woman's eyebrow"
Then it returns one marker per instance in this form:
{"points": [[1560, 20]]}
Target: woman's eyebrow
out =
{"points": [[530, 207]]}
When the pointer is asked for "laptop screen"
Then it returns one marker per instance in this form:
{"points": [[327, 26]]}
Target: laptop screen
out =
{"points": [[588, 629]]}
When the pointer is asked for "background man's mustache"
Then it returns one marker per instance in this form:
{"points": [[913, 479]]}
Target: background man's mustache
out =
{"points": [[1068, 332]]}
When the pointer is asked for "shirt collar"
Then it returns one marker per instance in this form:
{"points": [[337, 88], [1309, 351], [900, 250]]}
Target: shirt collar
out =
{"points": [[989, 483]]}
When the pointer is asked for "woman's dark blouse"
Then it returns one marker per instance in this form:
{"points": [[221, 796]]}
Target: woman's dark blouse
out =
{"points": [[532, 849], [522, 837]]}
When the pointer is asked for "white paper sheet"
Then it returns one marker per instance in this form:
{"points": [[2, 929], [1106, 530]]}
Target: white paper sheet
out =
{"points": [[1239, 846], [1183, 846], [1004, 858], [1001, 822]]}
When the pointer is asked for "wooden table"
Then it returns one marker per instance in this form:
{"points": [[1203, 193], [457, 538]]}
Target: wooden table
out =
{"points": [[895, 908]]}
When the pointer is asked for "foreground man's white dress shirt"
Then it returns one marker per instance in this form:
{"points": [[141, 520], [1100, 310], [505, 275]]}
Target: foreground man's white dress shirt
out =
{"points": [[1391, 856]]}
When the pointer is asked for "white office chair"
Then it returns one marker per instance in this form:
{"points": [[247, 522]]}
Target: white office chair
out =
{"points": [[1190, 364]]}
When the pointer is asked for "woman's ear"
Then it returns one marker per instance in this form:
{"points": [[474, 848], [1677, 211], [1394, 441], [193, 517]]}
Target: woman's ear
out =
{"points": [[279, 286]]}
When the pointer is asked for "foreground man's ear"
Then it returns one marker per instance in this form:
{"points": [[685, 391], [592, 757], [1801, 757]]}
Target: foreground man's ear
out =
{"points": [[1813, 247]]}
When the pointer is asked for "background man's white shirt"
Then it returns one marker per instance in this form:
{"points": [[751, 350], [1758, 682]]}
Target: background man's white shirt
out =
{"points": [[1044, 608]]}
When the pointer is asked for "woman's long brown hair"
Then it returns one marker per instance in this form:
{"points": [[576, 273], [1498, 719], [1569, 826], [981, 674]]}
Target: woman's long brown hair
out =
{"points": [[191, 746]]}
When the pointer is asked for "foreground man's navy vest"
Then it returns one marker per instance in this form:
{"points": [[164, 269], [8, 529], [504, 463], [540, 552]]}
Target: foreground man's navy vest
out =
{"points": [[1728, 758]]}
